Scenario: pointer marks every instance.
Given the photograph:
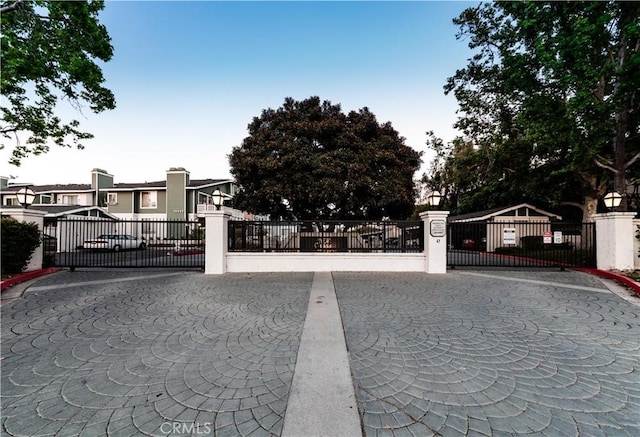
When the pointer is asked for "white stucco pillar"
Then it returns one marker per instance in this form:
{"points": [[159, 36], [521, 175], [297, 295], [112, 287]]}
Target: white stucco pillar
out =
{"points": [[216, 241], [435, 240], [29, 216], [614, 240]]}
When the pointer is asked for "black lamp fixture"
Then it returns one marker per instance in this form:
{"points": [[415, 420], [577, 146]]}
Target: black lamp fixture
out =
{"points": [[434, 198], [25, 196], [218, 199], [612, 200]]}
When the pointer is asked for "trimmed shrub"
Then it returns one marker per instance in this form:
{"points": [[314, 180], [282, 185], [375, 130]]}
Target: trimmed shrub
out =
{"points": [[508, 250], [19, 241], [532, 242]]}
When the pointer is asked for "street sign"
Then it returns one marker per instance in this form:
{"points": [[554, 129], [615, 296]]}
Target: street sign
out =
{"points": [[509, 236], [546, 237], [557, 237]]}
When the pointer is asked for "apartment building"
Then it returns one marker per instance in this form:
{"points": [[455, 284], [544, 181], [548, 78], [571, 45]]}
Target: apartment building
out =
{"points": [[177, 197]]}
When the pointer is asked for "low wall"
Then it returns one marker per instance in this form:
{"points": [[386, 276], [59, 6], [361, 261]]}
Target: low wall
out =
{"points": [[325, 262]]}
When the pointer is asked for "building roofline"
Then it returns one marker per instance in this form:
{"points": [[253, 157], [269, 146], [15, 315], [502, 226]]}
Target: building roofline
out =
{"points": [[62, 210], [489, 213]]}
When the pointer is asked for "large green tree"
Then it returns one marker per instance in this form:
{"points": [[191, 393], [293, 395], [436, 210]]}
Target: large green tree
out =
{"points": [[49, 53], [549, 103], [309, 160]]}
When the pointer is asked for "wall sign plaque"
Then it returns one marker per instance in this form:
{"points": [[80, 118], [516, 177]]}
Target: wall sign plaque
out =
{"points": [[438, 228]]}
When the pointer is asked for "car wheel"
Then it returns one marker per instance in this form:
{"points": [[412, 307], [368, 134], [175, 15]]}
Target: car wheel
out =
{"points": [[117, 248], [143, 246]]}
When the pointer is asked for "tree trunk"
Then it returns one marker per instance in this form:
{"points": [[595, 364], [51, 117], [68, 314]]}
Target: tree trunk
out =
{"points": [[589, 209]]}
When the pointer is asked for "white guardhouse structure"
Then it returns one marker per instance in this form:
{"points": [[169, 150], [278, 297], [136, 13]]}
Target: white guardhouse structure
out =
{"points": [[499, 227]]}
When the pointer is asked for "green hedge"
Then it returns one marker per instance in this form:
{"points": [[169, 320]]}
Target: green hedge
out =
{"points": [[19, 241]]}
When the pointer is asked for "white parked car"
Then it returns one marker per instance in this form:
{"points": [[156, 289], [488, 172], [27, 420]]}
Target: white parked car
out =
{"points": [[115, 242]]}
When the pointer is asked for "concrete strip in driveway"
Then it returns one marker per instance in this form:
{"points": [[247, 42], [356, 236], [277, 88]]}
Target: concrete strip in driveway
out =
{"points": [[322, 400]]}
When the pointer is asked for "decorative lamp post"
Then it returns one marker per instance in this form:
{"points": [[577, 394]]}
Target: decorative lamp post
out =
{"points": [[218, 199], [612, 200], [434, 198], [25, 196]]}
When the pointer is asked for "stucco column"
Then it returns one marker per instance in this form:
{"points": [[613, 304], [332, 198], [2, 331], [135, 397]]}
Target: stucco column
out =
{"points": [[614, 240], [435, 240], [216, 241], [30, 216]]}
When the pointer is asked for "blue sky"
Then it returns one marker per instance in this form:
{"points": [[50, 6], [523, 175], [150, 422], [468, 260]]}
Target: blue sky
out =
{"points": [[189, 76]]}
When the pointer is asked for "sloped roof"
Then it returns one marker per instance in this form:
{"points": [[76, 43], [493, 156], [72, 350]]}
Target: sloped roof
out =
{"points": [[55, 210], [136, 185], [487, 214], [50, 188], [199, 183], [195, 183]]}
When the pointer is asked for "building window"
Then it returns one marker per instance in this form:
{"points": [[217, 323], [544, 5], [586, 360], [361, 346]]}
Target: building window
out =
{"points": [[10, 200], [45, 199], [70, 199], [149, 199], [112, 198]]}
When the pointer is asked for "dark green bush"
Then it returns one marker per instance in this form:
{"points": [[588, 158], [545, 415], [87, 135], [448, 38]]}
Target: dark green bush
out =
{"points": [[508, 250], [532, 242], [19, 241]]}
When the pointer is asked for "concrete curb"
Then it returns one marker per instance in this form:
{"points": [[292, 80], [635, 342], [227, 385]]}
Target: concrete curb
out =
{"points": [[10, 282], [625, 280]]}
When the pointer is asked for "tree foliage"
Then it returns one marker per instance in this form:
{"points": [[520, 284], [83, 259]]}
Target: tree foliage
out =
{"points": [[309, 160], [19, 241], [549, 104], [49, 49]]}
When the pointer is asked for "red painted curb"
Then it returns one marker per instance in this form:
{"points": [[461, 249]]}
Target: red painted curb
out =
{"points": [[26, 277], [625, 280]]}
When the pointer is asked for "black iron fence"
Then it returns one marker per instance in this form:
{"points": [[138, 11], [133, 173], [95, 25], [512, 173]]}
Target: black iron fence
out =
{"points": [[326, 236], [88, 242], [522, 244]]}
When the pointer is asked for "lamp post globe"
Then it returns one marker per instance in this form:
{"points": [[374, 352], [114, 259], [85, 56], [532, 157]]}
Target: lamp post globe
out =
{"points": [[612, 200], [218, 199], [25, 196], [434, 198]]}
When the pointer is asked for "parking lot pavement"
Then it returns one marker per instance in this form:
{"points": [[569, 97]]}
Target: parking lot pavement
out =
{"points": [[491, 353], [125, 353]]}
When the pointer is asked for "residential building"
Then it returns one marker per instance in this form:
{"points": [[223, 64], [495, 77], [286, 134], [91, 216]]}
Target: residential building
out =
{"points": [[177, 197]]}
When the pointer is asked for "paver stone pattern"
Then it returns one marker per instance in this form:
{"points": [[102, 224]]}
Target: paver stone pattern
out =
{"points": [[459, 355], [180, 355]]}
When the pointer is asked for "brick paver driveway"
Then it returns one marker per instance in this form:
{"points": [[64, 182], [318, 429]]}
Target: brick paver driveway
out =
{"points": [[181, 354], [491, 353]]}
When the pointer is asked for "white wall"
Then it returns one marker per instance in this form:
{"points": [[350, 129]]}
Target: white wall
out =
{"points": [[219, 260], [325, 262], [615, 241]]}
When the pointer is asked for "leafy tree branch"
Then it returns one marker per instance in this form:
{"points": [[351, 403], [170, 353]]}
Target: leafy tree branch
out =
{"points": [[49, 54]]}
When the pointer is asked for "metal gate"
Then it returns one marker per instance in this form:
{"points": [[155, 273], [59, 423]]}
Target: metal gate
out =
{"points": [[89, 242], [522, 244]]}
